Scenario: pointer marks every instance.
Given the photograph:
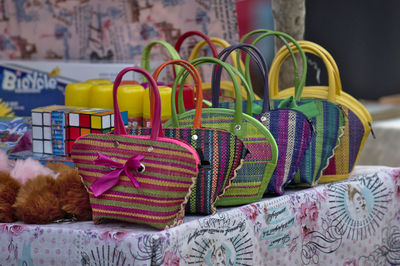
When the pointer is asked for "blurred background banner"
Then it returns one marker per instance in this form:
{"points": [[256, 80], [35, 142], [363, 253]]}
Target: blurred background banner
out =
{"points": [[256, 14], [114, 31]]}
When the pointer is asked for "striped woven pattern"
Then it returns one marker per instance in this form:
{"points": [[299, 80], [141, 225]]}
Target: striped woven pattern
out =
{"points": [[221, 153], [230, 104], [329, 126], [292, 132], [349, 148], [170, 173], [257, 168]]}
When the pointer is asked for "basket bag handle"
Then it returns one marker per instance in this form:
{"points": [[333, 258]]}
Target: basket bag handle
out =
{"points": [[282, 38], [210, 43], [299, 84], [331, 61], [119, 128], [255, 54], [338, 82], [263, 31], [280, 57], [246, 87], [236, 61], [178, 45], [217, 42], [232, 72], [197, 83], [145, 63]]}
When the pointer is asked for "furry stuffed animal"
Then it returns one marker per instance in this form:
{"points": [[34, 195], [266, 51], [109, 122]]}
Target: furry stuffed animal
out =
{"points": [[8, 192], [45, 199], [8, 189], [12, 176], [40, 194], [74, 198]]}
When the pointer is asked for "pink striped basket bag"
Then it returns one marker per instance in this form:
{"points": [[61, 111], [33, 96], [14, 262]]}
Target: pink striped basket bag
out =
{"points": [[138, 179]]}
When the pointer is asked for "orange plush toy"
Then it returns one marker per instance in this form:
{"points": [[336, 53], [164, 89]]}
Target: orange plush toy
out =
{"points": [[45, 199], [37, 194], [14, 174], [8, 192]]}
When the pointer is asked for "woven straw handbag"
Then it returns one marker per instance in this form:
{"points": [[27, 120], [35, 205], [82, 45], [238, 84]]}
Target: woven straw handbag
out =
{"points": [[358, 125], [258, 166], [329, 122], [291, 128], [221, 152], [138, 179]]}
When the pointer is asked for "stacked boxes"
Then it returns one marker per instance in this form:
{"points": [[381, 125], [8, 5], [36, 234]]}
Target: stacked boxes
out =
{"points": [[56, 127]]}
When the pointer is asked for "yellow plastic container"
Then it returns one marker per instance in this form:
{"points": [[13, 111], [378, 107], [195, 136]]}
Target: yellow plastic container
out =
{"points": [[78, 94], [101, 96], [98, 81], [165, 94], [130, 98]]}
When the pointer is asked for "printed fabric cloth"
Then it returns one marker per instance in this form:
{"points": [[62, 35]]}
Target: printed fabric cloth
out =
{"points": [[351, 222]]}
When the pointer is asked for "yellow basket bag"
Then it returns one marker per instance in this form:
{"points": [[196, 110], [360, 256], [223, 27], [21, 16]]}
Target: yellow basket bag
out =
{"points": [[358, 124]]}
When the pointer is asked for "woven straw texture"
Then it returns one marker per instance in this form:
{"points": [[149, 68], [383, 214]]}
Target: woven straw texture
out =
{"points": [[257, 168], [329, 127], [349, 148], [221, 153], [292, 132], [358, 118], [165, 185]]}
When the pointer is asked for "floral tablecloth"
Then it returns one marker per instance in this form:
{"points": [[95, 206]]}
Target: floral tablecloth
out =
{"points": [[353, 222]]}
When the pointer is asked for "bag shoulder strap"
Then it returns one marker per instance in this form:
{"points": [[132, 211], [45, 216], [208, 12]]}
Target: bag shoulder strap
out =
{"points": [[283, 53], [188, 67], [145, 63], [181, 38], [256, 55], [119, 128]]}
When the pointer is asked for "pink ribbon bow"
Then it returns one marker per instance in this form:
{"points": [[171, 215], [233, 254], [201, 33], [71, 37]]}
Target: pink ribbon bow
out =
{"points": [[109, 180]]}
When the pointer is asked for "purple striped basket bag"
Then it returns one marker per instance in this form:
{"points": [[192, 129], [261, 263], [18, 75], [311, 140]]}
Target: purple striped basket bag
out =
{"points": [[358, 119], [291, 128], [138, 179], [221, 152]]}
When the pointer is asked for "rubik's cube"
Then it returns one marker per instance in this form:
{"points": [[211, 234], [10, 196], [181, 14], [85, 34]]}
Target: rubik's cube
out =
{"points": [[92, 120], [41, 129], [56, 127], [59, 125]]}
